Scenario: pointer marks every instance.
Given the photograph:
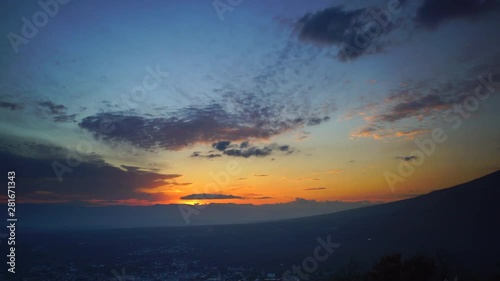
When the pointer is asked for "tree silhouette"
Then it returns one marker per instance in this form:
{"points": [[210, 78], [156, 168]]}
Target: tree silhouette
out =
{"points": [[388, 268], [418, 268], [349, 272], [393, 268]]}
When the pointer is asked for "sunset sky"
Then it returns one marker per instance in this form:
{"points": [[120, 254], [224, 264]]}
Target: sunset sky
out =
{"points": [[157, 102]]}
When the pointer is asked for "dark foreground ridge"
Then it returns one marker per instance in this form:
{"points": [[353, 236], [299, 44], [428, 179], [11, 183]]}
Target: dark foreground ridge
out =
{"points": [[458, 226]]}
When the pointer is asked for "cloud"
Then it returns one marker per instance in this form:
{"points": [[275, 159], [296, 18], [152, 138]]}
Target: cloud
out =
{"points": [[57, 111], [65, 118], [432, 13], [53, 108], [334, 171], [317, 121], [238, 112], [257, 151], [421, 100], [369, 131], [381, 132], [11, 106], [308, 179], [415, 107], [244, 149], [346, 29], [244, 144], [360, 111], [210, 156], [315, 188], [208, 196], [182, 129], [261, 175], [252, 151], [189, 126], [407, 158], [221, 145], [35, 148], [89, 179], [410, 134]]}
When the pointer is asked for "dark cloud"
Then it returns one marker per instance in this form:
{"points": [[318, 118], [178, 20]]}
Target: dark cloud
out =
{"points": [[416, 106], [261, 175], [65, 118], [183, 128], [211, 155], [188, 126], [245, 150], [317, 121], [492, 66], [432, 12], [138, 169], [11, 106], [249, 152], [328, 26], [88, 178], [407, 158], [52, 107], [221, 145], [355, 32], [315, 188], [284, 148], [57, 111], [39, 149], [208, 196]]}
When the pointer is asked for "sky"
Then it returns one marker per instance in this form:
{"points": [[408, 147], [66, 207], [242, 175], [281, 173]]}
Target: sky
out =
{"points": [[247, 102]]}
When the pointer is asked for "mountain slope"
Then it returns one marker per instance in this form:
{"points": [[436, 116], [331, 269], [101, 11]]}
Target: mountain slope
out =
{"points": [[461, 223]]}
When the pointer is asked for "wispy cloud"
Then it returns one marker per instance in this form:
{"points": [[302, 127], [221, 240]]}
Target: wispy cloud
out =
{"points": [[407, 158], [334, 171], [57, 111], [209, 196], [315, 188], [10, 105]]}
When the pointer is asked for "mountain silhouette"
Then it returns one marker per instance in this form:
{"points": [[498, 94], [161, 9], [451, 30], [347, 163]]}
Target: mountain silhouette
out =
{"points": [[459, 225]]}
